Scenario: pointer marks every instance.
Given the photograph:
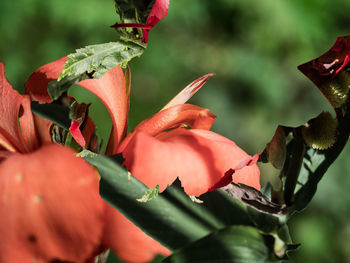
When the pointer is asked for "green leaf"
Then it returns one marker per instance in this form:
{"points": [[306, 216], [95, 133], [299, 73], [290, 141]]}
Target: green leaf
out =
{"points": [[56, 113], [98, 59], [171, 218], [234, 244], [266, 222]]}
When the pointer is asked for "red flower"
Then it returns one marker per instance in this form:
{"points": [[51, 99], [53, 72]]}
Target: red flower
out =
{"points": [[49, 198], [158, 151], [197, 156], [196, 153], [158, 12], [51, 207]]}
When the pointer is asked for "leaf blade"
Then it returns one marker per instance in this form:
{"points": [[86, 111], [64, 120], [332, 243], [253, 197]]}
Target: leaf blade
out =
{"points": [[231, 244], [100, 58], [171, 218]]}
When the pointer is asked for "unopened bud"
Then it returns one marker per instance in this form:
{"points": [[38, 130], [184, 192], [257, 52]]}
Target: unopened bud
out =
{"points": [[320, 132]]}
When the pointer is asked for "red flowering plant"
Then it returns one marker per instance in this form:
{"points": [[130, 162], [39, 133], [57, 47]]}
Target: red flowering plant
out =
{"points": [[171, 186], [50, 196]]}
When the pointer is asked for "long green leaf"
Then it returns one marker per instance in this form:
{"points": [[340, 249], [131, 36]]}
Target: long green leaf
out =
{"points": [[234, 244], [171, 218]]}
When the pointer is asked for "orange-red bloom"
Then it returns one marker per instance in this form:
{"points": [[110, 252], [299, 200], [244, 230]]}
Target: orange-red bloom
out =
{"points": [[157, 156], [159, 150], [49, 199]]}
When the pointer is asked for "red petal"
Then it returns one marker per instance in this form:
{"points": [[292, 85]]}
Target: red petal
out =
{"points": [[29, 134], [12, 105], [173, 117], [145, 36], [111, 141], [128, 241], [76, 133], [184, 95], [6, 145], [158, 12], [4, 154], [43, 128], [36, 86], [111, 90], [199, 158], [51, 207], [244, 177], [89, 134]]}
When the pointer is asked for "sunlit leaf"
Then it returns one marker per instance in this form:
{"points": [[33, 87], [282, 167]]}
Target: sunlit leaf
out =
{"points": [[98, 59]]}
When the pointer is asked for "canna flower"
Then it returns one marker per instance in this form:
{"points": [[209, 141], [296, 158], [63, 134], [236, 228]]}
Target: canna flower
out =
{"points": [[157, 13], [172, 151], [197, 156], [174, 143], [49, 198]]}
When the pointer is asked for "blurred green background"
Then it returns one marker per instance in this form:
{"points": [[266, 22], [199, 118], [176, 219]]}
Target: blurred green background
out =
{"points": [[253, 47]]}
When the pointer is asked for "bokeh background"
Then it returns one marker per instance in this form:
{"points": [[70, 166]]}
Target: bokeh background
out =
{"points": [[253, 46]]}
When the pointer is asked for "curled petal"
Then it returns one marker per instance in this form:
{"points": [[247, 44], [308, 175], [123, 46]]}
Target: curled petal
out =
{"points": [[15, 110], [43, 128], [199, 158], [184, 95], [10, 103], [173, 117], [76, 133], [36, 85], [111, 90], [158, 12], [128, 241], [52, 206]]}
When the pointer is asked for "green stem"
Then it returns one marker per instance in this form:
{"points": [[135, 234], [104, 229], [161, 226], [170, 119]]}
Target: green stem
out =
{"points": [[296, 161]]}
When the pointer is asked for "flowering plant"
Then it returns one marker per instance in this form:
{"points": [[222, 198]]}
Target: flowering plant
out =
{"points": [[171, 186]]}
